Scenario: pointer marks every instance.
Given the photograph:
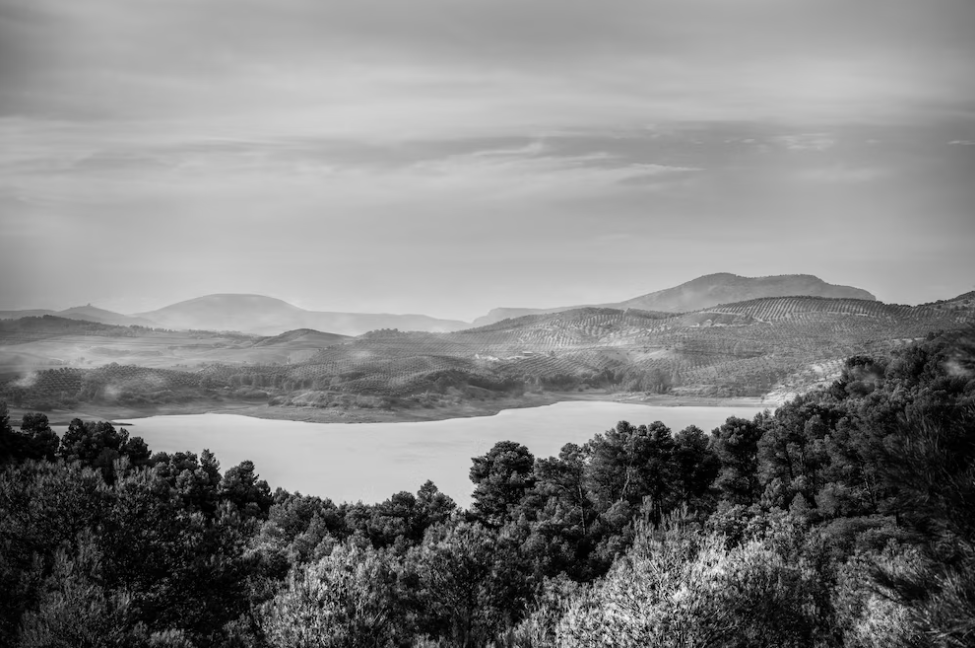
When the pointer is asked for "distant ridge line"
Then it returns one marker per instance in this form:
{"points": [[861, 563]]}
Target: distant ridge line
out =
{"points": [[708, 291]]}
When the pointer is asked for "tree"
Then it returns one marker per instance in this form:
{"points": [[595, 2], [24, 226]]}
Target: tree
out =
{"points": [[557, 518], [472, 583], [736, 445], [695, 467], [241, 487], [433, 507], [99, 445], [680, 587], [8, 440], [43, 505], [43, 440], [75, 608], [195, 481], [629, 464], [503, 476], [34, 440], [349, 599]]}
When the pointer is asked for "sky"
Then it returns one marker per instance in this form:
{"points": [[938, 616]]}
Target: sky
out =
{"points": [[447, 157]]}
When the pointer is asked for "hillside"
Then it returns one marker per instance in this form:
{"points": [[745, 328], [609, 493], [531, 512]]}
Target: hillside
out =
{"points": [[705, 292], [260, 315], [18, 314], [726, 288], [769, 348], [303, 338], [94, 314], [87, 313], [746, 349], [35, 344], [227, 313]]}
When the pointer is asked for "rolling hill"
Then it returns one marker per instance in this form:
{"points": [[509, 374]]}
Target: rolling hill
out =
{"points": [[705, 292], [726, 288], [35, 344], [94, 314], [87, 313], [747, 349], [767, 347], [259, 315]]}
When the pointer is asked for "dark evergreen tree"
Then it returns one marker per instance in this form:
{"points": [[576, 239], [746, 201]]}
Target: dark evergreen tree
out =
{"points": [[503, 477], [736, 445], [243, 488], [43, 441], [695, 467]]}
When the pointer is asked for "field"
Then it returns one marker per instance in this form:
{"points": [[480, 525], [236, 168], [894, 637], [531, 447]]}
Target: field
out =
{"points": [[766, 348]]}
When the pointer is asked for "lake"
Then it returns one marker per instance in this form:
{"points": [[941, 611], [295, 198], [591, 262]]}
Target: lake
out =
{"points": [[371, 461]]}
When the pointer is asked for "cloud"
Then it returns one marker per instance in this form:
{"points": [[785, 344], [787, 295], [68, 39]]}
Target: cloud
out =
{"points": [[401, 70], [807, 142], [839, 174]]}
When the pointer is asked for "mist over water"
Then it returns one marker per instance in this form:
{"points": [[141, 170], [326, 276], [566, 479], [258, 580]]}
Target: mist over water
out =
{"points": [[371, 461]]}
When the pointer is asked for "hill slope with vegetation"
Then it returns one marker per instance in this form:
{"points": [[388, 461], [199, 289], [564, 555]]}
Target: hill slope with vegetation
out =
{"points": [[845, 519], [705, 292], [765, 348]]}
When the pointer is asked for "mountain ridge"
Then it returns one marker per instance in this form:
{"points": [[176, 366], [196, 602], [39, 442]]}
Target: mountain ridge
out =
{"points": [[262, 315], [705, 291], [87, 313], [255, 314], [766, 347]]}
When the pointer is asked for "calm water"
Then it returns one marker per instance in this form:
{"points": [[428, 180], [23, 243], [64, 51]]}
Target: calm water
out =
{"points": [[371, 461]]}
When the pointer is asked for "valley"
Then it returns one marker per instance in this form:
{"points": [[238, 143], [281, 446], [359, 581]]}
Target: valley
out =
{"points": [[763, 350]]}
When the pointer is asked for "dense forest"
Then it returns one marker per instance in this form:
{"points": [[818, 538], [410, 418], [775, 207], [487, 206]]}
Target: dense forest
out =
{"points": [[845, 518]]}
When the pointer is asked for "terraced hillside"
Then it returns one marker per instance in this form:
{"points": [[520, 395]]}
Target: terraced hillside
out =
{"points": [[746, 349], [707, 292], [754, 348]]}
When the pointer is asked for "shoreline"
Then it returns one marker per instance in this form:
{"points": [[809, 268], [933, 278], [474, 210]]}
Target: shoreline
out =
{"points": [[469, 409]]}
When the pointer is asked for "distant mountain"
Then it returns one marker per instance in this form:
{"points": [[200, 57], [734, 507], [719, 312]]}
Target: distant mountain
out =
{"points": [[228, 313], [17, 314], [87, 313], [91, 313], [260, 315], [705, 292], [726, 288]]}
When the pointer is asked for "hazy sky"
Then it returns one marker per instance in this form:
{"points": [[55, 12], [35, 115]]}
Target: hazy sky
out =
{"points": [[449, 156]]}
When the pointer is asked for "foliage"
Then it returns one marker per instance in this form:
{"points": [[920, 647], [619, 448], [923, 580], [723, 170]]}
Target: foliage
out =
{"points": [[681, 587], [348, 598], [501, 478]]}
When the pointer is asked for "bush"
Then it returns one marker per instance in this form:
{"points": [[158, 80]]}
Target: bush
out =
{"points": [[682, 587]]}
